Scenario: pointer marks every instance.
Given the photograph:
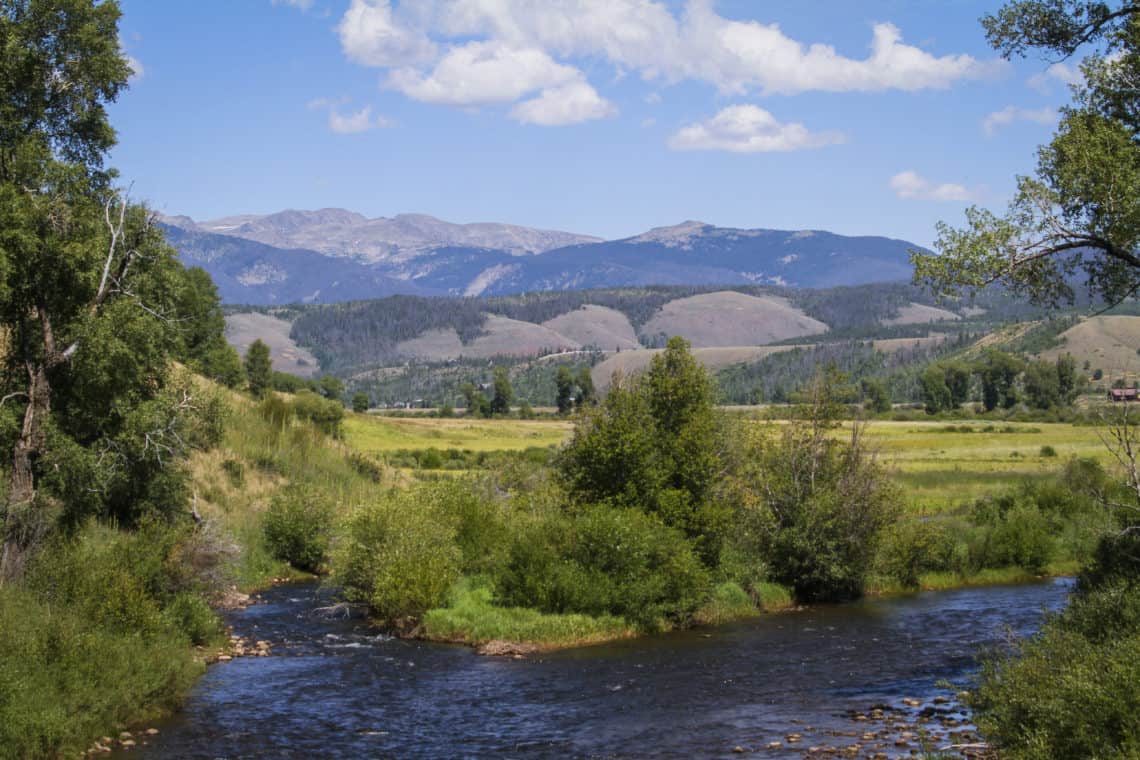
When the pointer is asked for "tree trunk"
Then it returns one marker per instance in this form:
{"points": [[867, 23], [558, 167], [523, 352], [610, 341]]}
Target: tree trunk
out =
{"points": [[23, 526]]}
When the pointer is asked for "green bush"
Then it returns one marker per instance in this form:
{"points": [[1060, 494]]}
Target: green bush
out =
{"points": [[399, 556], [607, 561], [298, 526], [827, 502], [1072, 691], [325, 414], [190, 614], [912, 547], [1023, 537], [98, 635]]}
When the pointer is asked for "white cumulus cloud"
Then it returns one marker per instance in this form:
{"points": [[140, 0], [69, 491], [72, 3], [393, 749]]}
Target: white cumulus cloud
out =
{"points": [[749, 129], [569, 104], [482, 73], [468, 52], [371, 35], [910, 185], [1008, 115]]}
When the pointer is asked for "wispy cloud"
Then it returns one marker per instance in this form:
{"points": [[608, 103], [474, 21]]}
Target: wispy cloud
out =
{"points": [[910, 185], [1008, 115], [1062, 73], [356, 122]]}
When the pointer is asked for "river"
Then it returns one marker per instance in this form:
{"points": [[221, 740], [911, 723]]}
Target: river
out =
{"points": [[805, 679]]}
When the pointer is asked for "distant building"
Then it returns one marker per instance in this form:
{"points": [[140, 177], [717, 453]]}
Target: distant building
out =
{"points": [[1124, 394]]}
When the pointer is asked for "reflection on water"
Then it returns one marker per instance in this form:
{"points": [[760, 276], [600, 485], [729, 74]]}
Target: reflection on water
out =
{"points": [[338, 688]]}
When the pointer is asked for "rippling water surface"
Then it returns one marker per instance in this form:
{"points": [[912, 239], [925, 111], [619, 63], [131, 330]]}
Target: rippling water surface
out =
{"points": [[336, 688]]}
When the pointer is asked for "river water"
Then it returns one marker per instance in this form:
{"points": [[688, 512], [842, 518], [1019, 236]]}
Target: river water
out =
{"points": [[336, 688]]}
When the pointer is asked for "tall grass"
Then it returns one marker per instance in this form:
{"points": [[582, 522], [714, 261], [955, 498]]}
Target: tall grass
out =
{"points": [[471, 617]]}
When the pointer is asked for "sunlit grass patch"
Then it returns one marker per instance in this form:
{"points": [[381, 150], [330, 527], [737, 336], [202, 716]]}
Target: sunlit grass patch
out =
{"points": [[376, 434], [728, 602], [471, 617]]}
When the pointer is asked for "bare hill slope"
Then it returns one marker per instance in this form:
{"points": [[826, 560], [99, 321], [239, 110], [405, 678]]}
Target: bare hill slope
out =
{"points": [[1107, 343], [244, 329], [594, 325], [917, 314], [728, 318]]}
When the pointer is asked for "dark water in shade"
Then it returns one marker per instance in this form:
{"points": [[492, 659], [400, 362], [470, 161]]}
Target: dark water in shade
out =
{"points": [[335, 688]]}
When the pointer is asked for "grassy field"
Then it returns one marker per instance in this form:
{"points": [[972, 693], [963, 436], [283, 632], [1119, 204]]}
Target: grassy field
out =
{"points": [[940, 465], [940, 470], [379, 435]]}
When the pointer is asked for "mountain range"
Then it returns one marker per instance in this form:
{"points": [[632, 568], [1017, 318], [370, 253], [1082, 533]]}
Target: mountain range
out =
{"points": [[334, 255]]}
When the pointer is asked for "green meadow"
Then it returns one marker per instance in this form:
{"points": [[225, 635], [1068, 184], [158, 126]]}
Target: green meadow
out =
{"points": [[373, 434], [942, 466]]}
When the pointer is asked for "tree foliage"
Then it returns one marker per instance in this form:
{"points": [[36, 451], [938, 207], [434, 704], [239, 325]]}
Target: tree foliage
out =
{"points": [[655, 444], [93, 303], [824, 503], [1080, 212], [258, 368]]}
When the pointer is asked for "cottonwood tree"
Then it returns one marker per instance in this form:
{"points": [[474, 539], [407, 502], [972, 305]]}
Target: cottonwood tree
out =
{"points": [[1080, 211], [90, 294]]}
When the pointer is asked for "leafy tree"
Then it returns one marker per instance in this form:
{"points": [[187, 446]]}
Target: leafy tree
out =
{"points": [[93, 303], [612, 455], [332, 387], [958, 376], [504, 394], [475, 402], [1080, 211], [1069, 381], [877, 397], [564, 382], [935, 392], [586, 390], [825, 503], [1042, 385], [999, 371], [360, 403], [656, 444], [258, 368]]}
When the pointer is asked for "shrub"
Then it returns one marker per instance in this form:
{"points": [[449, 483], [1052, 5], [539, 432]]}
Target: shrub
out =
{"points": [[1024, 538], [325, 414], [827, 501], [607, 561], [1048, 451], [276, 410], [913, 547], [297, 527], [98, 635], [1074, 689], [190, 614], [235, 472], [399, 556]]}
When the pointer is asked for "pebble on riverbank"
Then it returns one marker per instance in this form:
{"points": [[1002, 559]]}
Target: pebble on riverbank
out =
{"points": [[240, 646], [105, 744], [908, 729]]}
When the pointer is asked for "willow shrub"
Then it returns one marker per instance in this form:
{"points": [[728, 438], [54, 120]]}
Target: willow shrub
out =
{"points": [[298, 526], [400, 555], [606, 561], [1074, 689]]}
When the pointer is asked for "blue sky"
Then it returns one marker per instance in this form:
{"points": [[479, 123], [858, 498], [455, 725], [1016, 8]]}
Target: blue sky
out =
{"points": [[605, 117]]}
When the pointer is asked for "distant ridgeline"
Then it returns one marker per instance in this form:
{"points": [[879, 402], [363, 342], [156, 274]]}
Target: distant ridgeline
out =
{"points": [[333, 255], [761, 340]]}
